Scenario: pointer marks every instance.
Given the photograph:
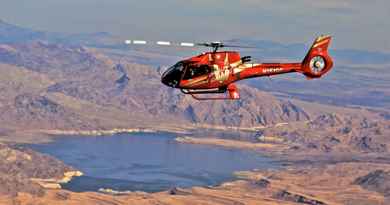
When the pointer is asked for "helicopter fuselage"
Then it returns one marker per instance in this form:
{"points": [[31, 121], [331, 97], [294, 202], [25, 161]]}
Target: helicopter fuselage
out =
{"points": [[216, 72]]}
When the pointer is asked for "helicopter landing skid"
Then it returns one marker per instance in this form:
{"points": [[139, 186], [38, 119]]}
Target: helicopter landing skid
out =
{"points": [[231, 89]]}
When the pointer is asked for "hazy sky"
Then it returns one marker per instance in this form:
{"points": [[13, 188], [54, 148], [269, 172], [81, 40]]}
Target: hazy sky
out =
{"points": [[362, 24]]}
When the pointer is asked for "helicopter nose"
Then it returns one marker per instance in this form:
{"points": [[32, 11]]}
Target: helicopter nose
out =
{"points": [[164, 80], [170, 79], [172, 76]]}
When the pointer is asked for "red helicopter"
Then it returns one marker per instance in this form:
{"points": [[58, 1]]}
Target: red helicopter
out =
{"points": [[216, 72]]}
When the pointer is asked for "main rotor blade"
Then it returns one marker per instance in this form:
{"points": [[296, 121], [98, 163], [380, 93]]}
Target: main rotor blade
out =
{"points": [[216, 44], [160, 43], [139, 42], [237, 46]]}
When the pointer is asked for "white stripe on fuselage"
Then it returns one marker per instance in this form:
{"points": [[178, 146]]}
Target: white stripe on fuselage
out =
{"points": [[243, 67]]}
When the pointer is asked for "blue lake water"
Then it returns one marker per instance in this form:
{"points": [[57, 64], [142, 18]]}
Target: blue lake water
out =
{"points": [[149, 162]]}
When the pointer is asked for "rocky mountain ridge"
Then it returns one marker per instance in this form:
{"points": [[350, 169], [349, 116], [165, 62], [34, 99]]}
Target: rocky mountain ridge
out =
{"points": [[19, 165], [92, 77]]}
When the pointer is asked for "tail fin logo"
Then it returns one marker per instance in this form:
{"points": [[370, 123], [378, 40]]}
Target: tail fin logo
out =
{"points": [[321, 41]]}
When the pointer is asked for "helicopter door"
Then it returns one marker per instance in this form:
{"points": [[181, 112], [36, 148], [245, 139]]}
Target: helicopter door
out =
{"points": [[193, 71]]}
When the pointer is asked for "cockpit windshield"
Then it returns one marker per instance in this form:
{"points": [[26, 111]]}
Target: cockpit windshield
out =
{"points": [[172, 76], [177, 67]]}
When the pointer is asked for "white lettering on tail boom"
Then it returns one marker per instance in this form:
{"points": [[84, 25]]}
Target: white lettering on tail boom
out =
{"points": [[272, 70]]}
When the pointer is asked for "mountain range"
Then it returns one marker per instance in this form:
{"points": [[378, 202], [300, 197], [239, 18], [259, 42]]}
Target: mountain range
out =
{"points": [[354, 81]]}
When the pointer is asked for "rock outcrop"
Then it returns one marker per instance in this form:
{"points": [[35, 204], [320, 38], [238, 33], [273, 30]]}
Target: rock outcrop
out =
{"points": [[21, 167], [378, 180]]}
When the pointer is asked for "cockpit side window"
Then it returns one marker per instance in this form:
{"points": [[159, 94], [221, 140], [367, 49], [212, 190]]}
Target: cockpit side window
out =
{"points": [[193, 71]]}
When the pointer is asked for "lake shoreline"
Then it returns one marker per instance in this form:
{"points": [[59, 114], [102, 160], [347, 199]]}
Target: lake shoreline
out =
{"points": [[185, 153], [287, 186], [305, 163], [36, 136]]}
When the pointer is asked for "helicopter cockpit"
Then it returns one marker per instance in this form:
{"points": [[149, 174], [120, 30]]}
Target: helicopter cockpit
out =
{"points": [[185, 71]]}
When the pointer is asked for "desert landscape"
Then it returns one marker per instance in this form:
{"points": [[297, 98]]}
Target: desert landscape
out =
{"points": [[333, 151]]}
